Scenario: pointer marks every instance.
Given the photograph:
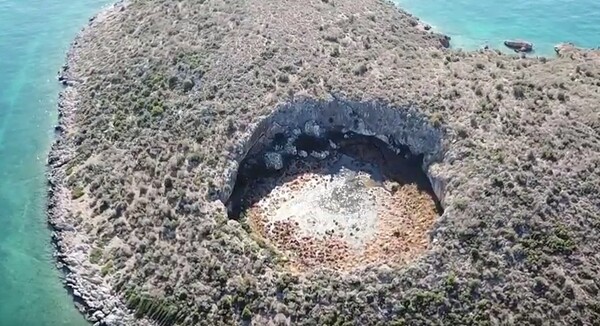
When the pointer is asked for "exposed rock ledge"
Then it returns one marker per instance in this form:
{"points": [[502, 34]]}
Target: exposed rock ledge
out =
{"points": [[394, 126], [93, 297]]}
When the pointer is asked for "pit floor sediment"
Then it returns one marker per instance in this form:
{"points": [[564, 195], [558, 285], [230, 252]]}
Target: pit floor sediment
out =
{"points": [[362, 204]]}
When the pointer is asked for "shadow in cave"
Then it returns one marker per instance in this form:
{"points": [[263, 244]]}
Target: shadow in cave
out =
{"points": [[255, 181]]}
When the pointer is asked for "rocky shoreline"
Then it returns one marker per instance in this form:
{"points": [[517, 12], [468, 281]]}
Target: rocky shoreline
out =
{"points": [[93, 297], [160, 105]]}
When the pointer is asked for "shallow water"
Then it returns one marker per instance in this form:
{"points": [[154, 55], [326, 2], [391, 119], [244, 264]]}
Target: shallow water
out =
{"points": [[34, 37], [475, 23]]}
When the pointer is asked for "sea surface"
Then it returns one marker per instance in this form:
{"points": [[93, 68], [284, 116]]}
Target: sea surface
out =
{"points": [[34, 37], [474, 23]]}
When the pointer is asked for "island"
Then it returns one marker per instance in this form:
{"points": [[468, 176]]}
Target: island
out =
{"points": [[321, 162]]}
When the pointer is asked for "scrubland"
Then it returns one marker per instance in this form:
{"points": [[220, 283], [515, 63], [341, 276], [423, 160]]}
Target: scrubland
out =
{"points": [[165, 89]]}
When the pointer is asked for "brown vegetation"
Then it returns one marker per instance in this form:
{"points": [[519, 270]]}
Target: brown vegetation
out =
{"points": [[403, 216]]}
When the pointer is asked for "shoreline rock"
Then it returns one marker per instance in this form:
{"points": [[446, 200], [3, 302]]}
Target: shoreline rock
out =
{"points": [[92, 296], [519, 46], [570, 50]]}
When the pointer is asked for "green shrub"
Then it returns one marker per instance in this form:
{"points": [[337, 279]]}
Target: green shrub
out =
{"points": [[283, 78], [553, 241], [451, 283], [519, 92], [157, 110], [437, 120], [77, 192], [173, 82], [107, 268], [194, 159], [246, 313], [360, 69], [461, 203], [335, 52], [188, 85], [95, 255]]}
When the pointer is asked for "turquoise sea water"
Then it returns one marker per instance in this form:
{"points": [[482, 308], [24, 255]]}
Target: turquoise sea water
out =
{"points": [[475, 23], [34, 36]]}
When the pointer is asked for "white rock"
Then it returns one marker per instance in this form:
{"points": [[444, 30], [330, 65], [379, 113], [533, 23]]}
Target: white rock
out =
{"points": [[273, 161]]}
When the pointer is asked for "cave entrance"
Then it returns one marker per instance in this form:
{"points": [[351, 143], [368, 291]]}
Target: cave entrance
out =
{"points": [[337, 200]]}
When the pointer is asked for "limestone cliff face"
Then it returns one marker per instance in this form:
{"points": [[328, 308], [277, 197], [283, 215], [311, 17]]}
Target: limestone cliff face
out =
{"points": [[395, 126]]}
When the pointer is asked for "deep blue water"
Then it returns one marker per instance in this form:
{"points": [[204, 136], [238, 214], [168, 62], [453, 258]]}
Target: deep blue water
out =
{"points": [[475, 23], [34, 37]]}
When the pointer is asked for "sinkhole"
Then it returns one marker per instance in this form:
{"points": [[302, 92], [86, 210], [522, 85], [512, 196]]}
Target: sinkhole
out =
{"points": [[338, 184]]}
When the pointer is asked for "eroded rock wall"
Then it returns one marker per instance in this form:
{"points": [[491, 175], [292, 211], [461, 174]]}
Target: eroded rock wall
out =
{"points": [[403, 126]]}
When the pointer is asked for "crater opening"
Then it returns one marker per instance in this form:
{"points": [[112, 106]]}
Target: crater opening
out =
{"points": [[320, 184]]}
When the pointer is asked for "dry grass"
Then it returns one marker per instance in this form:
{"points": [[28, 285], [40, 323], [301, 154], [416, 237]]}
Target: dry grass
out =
{"points": [[395, 233]]}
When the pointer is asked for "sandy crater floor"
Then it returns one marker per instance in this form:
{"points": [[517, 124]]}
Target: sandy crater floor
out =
{"points": [[341, 213]]}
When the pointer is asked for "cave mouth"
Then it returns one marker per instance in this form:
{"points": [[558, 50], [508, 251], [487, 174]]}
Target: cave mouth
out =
{"points": [[335, 199]]}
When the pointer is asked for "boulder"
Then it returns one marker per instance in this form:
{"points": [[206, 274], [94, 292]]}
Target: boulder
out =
{"points": [[445, 40], [519, 46], [562, 48]]}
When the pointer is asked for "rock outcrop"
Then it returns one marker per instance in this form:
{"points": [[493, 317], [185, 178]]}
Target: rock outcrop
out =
{"points": [[394, 126], [519, 46]]}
